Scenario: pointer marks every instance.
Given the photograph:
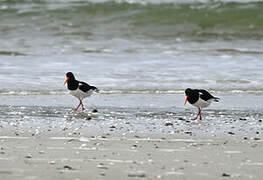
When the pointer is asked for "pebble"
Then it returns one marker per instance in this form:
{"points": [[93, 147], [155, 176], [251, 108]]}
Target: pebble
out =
{"points": [[28, 156], [95, 111], [16, 133], [52, 162], [88, 118], [177, 131], [231, 133], [188, 132], [101, 166], [41, 152], [242, 119], [225, 175], [168, 123], [68, 167], [137, 174]]}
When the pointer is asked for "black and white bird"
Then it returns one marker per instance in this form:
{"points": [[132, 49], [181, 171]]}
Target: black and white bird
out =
{"points": [[199, 98], [79, 89]]}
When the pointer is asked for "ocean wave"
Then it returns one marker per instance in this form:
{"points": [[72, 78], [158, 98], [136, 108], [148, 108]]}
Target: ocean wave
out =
{"points": [[11, 53], [27, 92], [195, 20]]}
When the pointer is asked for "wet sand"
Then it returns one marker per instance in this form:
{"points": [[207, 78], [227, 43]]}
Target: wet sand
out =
{"points": [[132, 136], [59, 156]]}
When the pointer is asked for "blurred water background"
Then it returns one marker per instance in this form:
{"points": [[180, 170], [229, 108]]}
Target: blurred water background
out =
{"points": [[131, 46]]}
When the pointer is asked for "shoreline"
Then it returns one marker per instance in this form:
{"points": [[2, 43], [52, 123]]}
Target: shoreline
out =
{"points": [[42, 137]]}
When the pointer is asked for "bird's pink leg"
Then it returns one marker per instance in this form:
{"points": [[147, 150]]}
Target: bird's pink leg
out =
{"points": [[82, 106], [78, 106], [199, 113]]}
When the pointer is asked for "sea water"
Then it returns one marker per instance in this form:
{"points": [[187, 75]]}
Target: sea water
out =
{"points": [[128, 46]]}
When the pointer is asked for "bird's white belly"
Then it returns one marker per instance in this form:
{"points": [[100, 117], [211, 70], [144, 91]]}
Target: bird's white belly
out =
{"points": [[80, 94], [201, 103]]}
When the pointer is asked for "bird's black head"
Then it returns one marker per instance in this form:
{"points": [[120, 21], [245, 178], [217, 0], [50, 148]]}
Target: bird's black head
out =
{"points": [[70, 75], [188, 91], [192, 96]]}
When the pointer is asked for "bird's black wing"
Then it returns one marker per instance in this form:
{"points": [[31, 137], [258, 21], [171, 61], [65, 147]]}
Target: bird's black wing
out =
{"points": [[85, 87], [206, 95]]}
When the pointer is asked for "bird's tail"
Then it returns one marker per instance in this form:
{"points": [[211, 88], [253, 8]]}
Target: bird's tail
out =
{"points": [[96, 90], [216, 99]]}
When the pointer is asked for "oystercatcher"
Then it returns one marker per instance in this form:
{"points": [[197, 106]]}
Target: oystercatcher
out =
{"points": [[79, 89], [199, 98]]}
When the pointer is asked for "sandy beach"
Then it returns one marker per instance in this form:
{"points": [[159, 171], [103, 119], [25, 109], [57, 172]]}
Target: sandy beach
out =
{"points": [[124, 140], [63, 156]]}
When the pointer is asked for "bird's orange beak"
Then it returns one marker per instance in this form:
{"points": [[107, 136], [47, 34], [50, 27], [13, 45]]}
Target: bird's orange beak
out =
{"points": [[66, 81], [186, 100]]}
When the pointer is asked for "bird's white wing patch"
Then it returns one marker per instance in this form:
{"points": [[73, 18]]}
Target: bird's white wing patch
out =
{"points": [[80, 94], [201, 103]]}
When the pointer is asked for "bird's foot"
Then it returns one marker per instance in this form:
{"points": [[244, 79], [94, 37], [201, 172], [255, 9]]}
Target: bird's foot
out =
{"points": [[197, 119], [75, 109], [82, 107]]}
